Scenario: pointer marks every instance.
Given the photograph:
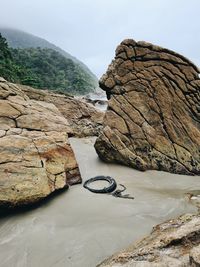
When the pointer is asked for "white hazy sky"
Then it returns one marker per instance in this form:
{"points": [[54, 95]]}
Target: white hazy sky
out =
{"points": [[91, 29]]}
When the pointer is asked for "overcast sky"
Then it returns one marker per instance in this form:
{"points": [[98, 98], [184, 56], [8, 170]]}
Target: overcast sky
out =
{"points": [[91, 29]]}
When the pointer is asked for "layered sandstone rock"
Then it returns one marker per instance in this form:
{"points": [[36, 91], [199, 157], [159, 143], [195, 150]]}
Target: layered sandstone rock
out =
{"points": [[175, 243], [35, 155], [153, 115], [83, 118]]}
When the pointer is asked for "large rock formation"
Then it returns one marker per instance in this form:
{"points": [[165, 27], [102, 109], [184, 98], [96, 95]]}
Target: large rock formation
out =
{"points": [[175, 243], [35, 155], [83, 118], [153, 115]]}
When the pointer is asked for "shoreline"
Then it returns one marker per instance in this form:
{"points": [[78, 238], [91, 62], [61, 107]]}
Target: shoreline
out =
{"points": [[80, 228]]}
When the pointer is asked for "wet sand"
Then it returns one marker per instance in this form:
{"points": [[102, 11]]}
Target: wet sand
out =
{"points": [[80, 229]]}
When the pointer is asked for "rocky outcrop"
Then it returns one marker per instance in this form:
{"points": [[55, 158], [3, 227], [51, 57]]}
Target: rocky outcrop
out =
{"points": [[35, 156], [153, 115], [173, 243], [84, 120]]}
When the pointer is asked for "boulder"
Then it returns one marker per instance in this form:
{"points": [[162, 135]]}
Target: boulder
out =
{"points": [[83, 118], [153, 115], [175, 243], [35, 156]]}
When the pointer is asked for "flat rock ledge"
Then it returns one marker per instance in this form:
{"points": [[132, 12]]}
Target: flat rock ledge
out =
{"points": [[153, 115], [175, 243], [35, 156], [83, 118]]}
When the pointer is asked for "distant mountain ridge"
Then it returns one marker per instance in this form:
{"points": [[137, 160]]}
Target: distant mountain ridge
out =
{"points": [[19, 39]]}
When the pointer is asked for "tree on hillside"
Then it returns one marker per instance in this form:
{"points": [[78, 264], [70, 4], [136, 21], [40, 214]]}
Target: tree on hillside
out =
{"points": [[7, 69], [5, 53]]}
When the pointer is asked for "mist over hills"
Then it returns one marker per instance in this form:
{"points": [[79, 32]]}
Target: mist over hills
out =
{"points": [[75, 77]]}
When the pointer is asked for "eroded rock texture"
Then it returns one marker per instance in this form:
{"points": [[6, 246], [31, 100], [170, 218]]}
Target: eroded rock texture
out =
{"points": [[175, 243], [153, 115], [35, 155], [84, 119]]}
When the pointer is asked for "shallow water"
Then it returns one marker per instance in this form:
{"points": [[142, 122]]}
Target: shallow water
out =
{"points": [[79, 229]]}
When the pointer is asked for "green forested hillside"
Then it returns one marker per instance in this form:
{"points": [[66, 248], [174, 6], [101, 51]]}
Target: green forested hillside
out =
{"points": [[46, 68], [34, 61]]}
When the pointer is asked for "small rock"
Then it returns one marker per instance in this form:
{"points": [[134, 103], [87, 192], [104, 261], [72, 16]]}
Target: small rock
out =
{"points": [[172, 243], [2, 80]]}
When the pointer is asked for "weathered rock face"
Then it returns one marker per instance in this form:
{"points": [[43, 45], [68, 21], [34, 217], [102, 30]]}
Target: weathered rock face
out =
{"points": [[35, 155], [175, 243], [84, 119], [153, 115]]}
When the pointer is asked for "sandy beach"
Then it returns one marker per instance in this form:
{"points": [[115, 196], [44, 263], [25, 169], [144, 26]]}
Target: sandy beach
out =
{"points": [[79, 228]]}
